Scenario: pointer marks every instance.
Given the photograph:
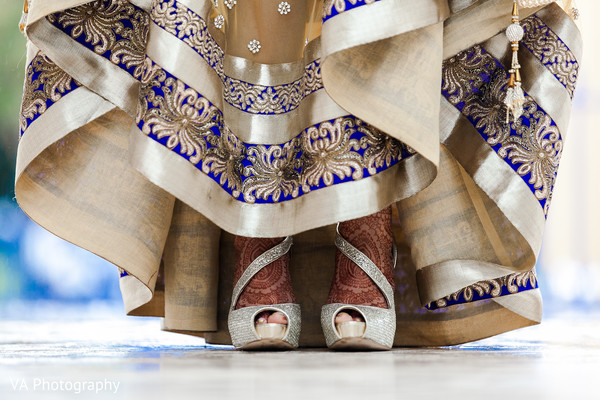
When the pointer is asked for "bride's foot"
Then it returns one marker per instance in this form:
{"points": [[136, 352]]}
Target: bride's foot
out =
{"points": [[372, 235], [271, 285]]}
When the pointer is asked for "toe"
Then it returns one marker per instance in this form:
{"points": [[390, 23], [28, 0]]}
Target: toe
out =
{"points": [[277, 318], [262, 318], [342, 317], [348, 315], [356, 316]]}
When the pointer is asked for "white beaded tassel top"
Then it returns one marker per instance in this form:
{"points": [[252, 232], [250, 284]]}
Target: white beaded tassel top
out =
{"points": [[515, 98]]}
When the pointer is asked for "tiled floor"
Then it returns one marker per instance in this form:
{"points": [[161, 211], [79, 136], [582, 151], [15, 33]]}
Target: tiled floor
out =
{"points": [[559, 359]]}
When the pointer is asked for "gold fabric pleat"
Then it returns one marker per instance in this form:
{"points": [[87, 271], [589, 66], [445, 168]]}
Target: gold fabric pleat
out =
{"points": [[465, 221]]}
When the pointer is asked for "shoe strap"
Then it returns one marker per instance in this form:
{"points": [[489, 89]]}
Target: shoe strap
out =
{"points": [[368, 266], [259, 263]]}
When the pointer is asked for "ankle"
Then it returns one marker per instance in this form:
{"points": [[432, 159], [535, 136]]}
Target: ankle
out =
{"points": [[372, 235], [272, 284]]}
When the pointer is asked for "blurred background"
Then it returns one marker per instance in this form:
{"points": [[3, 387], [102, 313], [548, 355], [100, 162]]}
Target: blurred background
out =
{"points": [[37, 266]]}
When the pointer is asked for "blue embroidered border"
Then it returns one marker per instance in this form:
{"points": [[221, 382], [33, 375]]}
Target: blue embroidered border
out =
{"points": [[211, 52], [460, 299], [556, 57], [348, 6], [81, 39], [34, 65], [217, 131], [474, 90]]}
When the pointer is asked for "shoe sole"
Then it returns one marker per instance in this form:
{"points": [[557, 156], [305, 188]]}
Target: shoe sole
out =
{"points": [[357, 344], [267, 344]]}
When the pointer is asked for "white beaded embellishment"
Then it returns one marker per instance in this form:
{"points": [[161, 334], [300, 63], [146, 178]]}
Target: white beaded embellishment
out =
{"points": [[230, 3], [514, 32], [254, 46], [515, 97], [219, 21], [533, 3], [575, 13], [284, 7], [216, 3]]}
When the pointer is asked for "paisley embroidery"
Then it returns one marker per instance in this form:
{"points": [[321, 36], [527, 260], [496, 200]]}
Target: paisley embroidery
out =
{"points": [[509, 284], [381, 149], [551, 51], [45, 84], [486, 106], [331, 152]]}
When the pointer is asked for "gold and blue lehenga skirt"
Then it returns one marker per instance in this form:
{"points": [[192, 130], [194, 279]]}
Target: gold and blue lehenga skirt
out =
{"points": [[153, 130]]}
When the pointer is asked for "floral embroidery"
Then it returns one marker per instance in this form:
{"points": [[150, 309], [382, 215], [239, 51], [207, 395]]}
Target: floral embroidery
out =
{"points": [[486, 106], [259, 99], [114, 29], [190, 28], [332, 152], [219, 21], [551, 51], [328, 152], [537, 149], [509, 284], [284, 8], [462, 72], [185, 118], [273, 171], [254, 46], [45, 84], [532, 145], [225, 160]]}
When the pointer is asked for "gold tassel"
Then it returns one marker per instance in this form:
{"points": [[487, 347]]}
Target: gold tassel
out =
{"points": [[23, 21]]}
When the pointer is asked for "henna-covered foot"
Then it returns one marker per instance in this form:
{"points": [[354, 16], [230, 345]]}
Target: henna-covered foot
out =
{"points": [[373, 236], [271, 285]]}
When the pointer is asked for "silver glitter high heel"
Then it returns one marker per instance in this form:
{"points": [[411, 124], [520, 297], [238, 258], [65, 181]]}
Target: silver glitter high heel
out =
{"points": [[379, 326], [245, 333]]}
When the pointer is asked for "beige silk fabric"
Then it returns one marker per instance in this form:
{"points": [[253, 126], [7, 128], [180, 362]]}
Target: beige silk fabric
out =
{"points": [[92, 170]]}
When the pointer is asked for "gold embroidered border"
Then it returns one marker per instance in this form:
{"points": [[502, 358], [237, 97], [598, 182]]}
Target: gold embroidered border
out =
{"points": [[538, 81], [494, 176], [118, 86], [183, 61], [351, 199]]}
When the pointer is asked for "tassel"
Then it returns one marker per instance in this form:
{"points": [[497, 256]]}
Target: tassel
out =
{"points": [[515, 98], [23, 21]]}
